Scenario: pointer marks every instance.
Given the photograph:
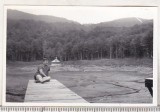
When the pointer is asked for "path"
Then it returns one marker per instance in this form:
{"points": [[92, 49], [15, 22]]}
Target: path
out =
{"points": [[53, 92]]}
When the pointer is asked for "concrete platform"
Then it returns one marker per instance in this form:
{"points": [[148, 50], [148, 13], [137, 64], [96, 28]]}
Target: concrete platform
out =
{"points": [[51, 92]]}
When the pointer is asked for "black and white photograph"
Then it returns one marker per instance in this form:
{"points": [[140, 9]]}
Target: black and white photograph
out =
{"points": [[84, 55]]}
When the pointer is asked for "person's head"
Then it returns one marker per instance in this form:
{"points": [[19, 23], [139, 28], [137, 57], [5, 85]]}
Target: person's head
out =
{"points": [[45, 61]]}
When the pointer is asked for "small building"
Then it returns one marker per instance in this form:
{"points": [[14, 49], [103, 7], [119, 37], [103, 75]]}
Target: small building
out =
{"points": [[55, 62]]}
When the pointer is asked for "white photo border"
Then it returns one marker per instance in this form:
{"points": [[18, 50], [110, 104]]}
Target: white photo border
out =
{"points": [[155, 68]]}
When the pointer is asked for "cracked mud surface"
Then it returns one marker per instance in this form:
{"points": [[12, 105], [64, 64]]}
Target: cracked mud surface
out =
{"points": [[107, 87], [95, 84]]}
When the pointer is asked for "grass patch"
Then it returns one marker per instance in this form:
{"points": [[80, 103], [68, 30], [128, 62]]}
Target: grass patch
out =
{"points": [[113, 62]]}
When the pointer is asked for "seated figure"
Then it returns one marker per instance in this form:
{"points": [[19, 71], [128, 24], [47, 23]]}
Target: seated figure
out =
{"points": [[42, 73]]}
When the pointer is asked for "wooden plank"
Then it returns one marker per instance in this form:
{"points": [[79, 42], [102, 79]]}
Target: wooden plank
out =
{"points": [[53, 92]]}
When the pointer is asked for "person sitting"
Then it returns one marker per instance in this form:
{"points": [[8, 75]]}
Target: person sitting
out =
{"points": [[42, 73]]}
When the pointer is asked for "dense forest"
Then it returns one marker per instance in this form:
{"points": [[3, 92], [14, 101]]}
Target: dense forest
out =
{"points": [[30, 40]]}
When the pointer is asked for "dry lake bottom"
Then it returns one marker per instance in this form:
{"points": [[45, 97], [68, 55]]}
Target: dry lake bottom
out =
{"points": [[97, 81]]}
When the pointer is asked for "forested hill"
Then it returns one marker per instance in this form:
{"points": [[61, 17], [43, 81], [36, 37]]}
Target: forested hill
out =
{"points": [[18, 15], [124, 22], [29, 38]]}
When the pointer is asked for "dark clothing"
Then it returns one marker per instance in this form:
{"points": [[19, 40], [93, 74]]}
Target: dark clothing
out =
{"points": [[45, 69]]}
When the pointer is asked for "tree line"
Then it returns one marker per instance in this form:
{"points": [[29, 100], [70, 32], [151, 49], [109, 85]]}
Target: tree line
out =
{"points": [[29, 40]]}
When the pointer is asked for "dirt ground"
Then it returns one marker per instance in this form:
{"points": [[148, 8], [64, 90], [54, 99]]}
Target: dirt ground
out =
{"points": [[96, 84]]}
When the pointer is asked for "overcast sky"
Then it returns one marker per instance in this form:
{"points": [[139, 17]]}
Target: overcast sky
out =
{"points": [[87, 15]]}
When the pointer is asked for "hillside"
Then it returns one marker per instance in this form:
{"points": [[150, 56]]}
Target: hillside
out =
{"points": [[126, 22], [18, 15], [29, 38], [123, 22]]}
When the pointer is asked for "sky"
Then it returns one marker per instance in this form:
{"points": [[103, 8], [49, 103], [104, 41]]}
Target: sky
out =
{"points": [[90, 15]]}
